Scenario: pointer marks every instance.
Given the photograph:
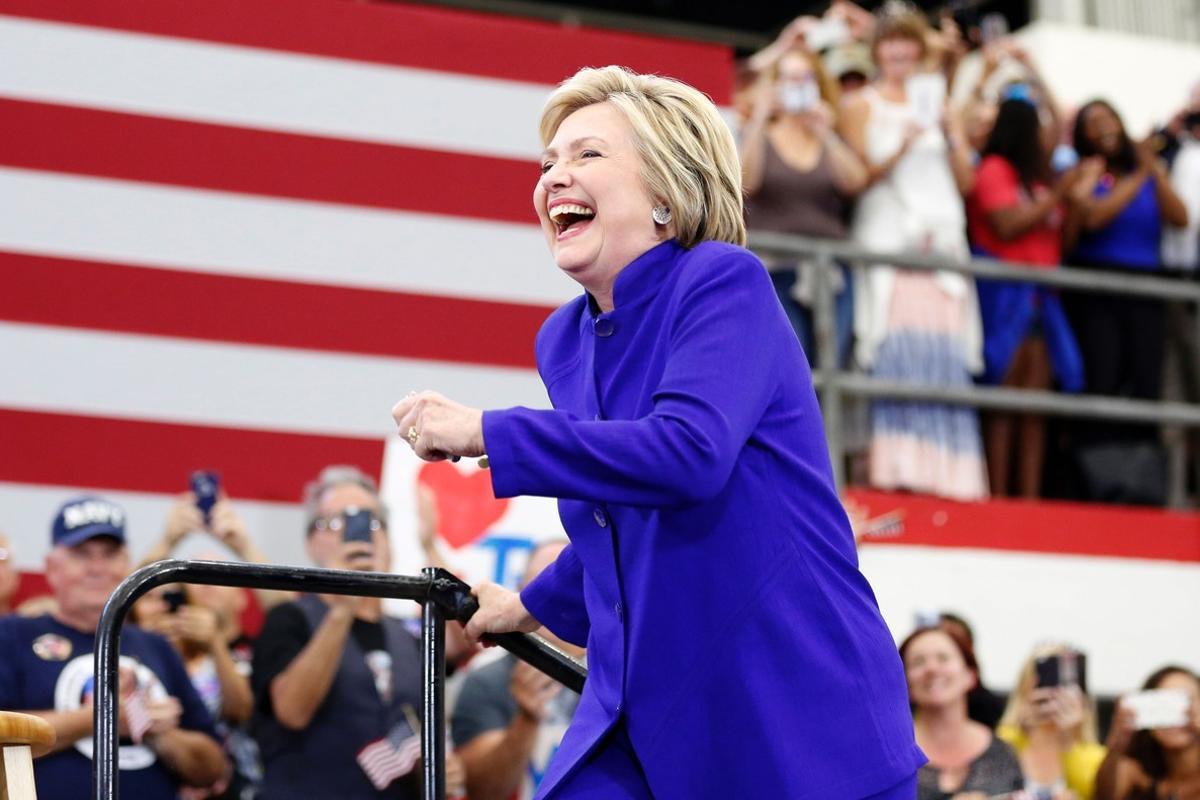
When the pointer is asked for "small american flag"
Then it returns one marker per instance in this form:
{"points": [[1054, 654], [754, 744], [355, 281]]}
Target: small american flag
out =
{"points": [[384, 760], [138, 715]]}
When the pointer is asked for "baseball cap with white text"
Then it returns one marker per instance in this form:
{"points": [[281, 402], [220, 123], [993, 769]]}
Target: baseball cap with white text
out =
{"points": [[83, 518]]}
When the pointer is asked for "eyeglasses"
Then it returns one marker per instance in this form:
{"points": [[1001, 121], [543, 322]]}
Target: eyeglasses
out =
{"points": [[336, 523]]}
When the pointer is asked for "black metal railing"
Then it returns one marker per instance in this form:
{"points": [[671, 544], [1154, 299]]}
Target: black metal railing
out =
{"points": [[443, 596]]}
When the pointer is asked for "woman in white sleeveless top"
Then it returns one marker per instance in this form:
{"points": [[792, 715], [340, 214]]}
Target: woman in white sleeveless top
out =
{"points": [[915, 326]]}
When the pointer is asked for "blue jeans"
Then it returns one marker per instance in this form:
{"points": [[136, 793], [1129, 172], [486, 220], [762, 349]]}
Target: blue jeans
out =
{"points": [[802, 320]]}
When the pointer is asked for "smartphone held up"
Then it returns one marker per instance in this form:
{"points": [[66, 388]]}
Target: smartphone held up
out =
{"points": [[174, 599], [358, 524], [797, 97], [1158, 708], [1065, 668], [206, 486], [926, 97]]}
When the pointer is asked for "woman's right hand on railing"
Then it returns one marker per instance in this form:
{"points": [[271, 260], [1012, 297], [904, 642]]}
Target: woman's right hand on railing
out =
{"points": [[500, 611]]}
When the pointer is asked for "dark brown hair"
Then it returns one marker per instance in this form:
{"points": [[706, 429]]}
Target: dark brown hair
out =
{"points": [[1144, 748]]}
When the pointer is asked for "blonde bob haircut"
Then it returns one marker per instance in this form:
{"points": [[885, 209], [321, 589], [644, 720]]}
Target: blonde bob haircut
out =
{"points": [[688, 152]]}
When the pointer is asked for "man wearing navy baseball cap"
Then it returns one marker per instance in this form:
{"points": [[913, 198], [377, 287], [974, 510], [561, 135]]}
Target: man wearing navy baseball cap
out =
{"points": [[167, 735]]}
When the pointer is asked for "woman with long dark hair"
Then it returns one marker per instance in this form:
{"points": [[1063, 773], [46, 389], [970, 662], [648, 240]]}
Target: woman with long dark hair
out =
{"points": [[1154, 763], [1015, 213], [1119, 226]]}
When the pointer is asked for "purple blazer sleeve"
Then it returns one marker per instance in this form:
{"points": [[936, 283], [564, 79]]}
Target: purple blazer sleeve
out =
{"points": [[712, 394], [555, 598]]}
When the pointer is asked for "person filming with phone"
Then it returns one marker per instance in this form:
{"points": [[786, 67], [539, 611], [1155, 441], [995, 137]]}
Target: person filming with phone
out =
{"points": [[799, 177], [1051, 723], [206, 508], [333, 675], [1154, 741]]}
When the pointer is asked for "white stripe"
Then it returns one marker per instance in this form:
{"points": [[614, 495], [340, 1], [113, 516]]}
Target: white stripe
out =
{"points": [[159, 379], [267, 89], [221, 232], [27, 511], [1130, 616]]}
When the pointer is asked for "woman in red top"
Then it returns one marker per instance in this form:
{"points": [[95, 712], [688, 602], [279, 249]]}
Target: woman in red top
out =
{"points": [[1015, 213]]}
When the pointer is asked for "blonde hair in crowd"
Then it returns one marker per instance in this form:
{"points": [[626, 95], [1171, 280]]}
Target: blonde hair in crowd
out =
{"points": [[689, 155], [1018, 699]]}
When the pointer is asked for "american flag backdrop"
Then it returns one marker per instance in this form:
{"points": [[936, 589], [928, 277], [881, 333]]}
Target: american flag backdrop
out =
{"points": [[233, 234]]}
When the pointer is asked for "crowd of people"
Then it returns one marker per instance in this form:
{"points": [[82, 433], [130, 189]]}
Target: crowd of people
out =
{"points": [[320, 697], [847, 132], [1044, 741], [322, 700]]}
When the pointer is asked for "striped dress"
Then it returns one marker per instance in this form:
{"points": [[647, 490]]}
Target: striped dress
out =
{"points": [[918, 327]]}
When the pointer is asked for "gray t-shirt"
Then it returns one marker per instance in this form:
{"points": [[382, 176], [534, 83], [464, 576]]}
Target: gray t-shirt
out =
{"points": [[996, 771], [486, 704]]}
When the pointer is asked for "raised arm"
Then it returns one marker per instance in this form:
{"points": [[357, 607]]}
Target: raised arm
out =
{"points": [[752, 143]]}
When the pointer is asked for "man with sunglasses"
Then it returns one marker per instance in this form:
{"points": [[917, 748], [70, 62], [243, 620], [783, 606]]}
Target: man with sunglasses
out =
{"points": [[333, 675]]}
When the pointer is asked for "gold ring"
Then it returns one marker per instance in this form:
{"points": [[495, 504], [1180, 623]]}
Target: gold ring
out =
{"points": [[413, 435]]}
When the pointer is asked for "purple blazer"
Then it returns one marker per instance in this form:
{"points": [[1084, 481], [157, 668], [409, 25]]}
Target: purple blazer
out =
{"points": [[712, 572]]}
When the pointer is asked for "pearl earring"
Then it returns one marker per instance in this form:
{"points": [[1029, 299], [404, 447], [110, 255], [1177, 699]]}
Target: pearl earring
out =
{"points": [[662, 215]]}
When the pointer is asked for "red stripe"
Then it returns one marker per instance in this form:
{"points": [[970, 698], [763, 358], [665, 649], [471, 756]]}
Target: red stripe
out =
{"points": [[135, 456], [1041, 527], [405, 35], [143, 148], [33, 584], [59, 291]]}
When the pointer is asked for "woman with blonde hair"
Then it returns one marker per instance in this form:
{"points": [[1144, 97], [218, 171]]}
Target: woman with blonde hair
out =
{"points": [[799, 177], [1053, 728], [734, 648]]}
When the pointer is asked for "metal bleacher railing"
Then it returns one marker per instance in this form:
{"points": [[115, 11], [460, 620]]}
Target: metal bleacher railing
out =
{"points": [[441, 595], [835, 384]]}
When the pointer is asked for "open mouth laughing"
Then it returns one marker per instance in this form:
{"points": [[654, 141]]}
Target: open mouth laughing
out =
{"points": [[570, 217]]}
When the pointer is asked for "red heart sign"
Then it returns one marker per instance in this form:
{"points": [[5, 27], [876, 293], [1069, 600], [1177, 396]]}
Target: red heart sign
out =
{"points": [[466, 506]]}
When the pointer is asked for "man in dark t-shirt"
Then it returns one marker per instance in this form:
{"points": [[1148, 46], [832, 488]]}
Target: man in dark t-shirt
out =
{"points": [[46, 668], [336, 680], [510, 718]]}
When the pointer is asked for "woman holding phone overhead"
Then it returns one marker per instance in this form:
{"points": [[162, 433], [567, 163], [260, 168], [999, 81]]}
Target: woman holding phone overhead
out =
{"points": [[1155, 756], [799, 177], [734, 648]]}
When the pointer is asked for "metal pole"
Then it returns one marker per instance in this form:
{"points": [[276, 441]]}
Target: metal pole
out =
{"points": [[1195, 433], [440, 591], [825, 330], [433, 706]]}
